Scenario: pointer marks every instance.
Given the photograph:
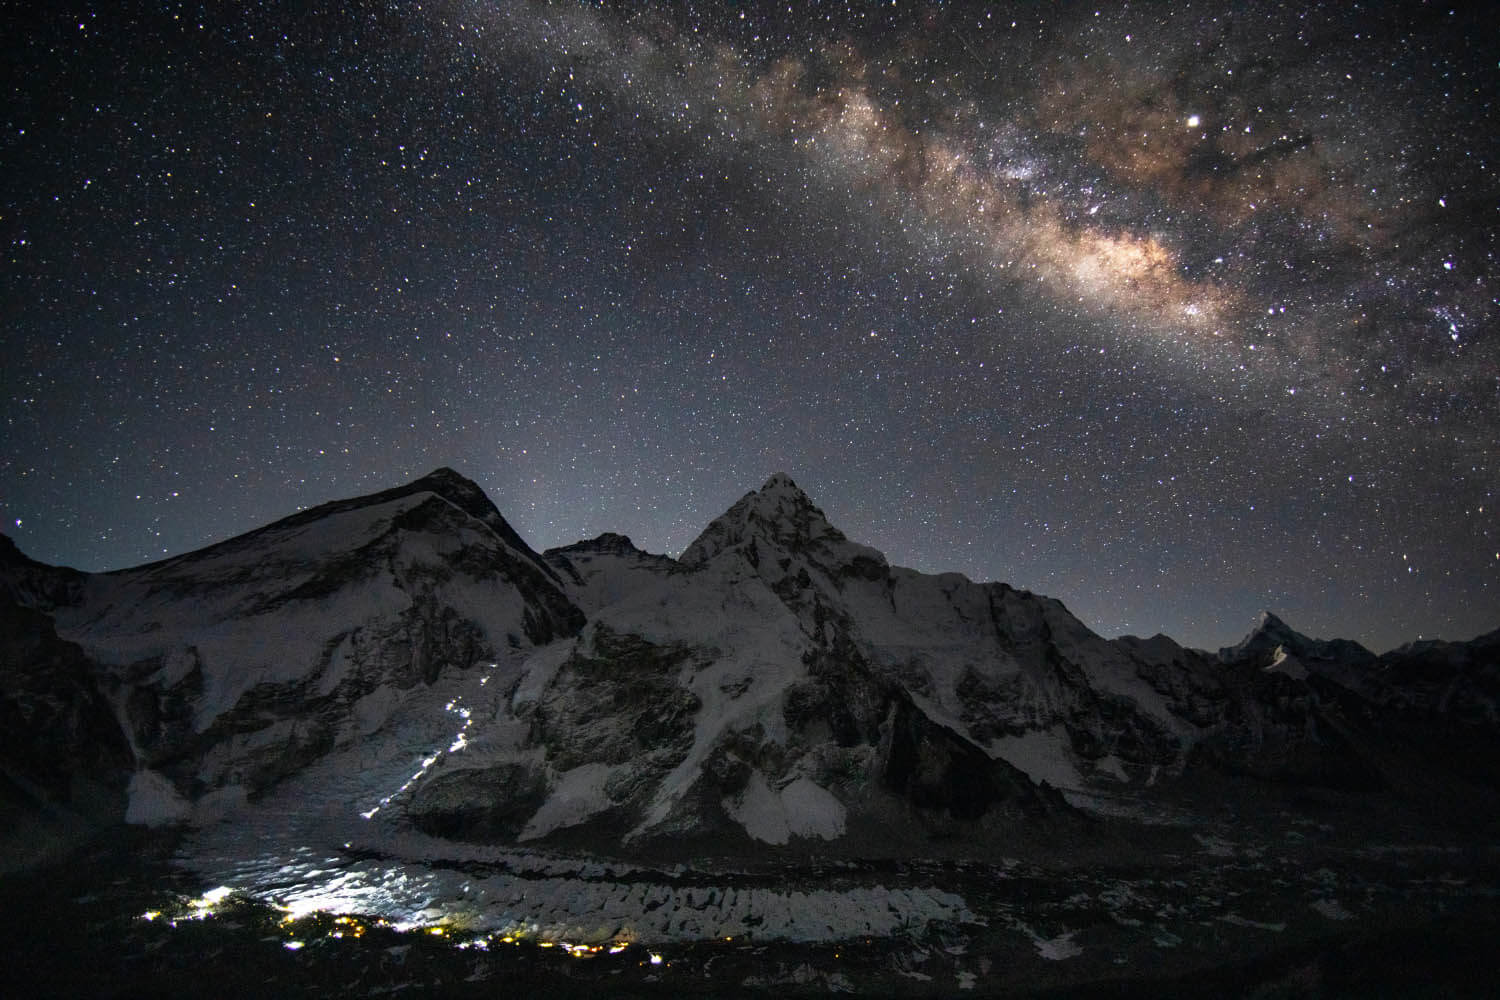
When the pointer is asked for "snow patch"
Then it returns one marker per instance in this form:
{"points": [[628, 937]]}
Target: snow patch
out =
{"points": [[1216, 847], [341, 663], [759, 810], [371, 711], [578, 796], [1056, 949], [540, 669], [1042, 755], [801, 809], [1331, 909], [1286, 663], [812, 810], [1112, 766], [153, 801], [1239, 921]]}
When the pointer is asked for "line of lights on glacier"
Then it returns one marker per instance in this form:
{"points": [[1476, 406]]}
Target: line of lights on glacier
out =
{"points": [[460, 740], [322, 895], [308, 916]]}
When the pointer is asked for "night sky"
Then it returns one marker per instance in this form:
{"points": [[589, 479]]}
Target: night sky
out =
{"points": [[1173, 315]]}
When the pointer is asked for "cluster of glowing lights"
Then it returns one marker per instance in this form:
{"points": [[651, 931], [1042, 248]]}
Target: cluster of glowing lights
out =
{"points": [[197, 908], [299, 929], [303, 924], [520, 939], [573, 949], [348, 927]]}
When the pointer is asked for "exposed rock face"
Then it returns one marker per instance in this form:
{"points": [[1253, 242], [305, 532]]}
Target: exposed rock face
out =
{"points": [[31, 584], [1329, 713], [485, 805], [1459, 680], [56, 727], [935, 768]]}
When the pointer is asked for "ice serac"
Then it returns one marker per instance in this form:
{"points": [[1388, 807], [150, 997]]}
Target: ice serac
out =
{"points": [[228, 669]]}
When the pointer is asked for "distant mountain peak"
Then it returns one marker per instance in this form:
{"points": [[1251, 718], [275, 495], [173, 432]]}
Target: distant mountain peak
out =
{"points": [[446, 477], [779, 514], [609, 541], [1271, 637], [1268, 634], [780, 482], [1268, 620]]}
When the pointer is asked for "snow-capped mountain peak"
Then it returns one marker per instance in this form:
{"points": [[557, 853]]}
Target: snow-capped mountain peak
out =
{"points": [[1265, 636], [779, 519], [780, 481], [1267, 620], [467, 496], [1272, 636]]}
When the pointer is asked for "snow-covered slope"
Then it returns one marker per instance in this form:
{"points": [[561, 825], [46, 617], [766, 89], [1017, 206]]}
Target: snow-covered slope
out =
{"points": [[229, 668], [606, 569], [1014, 672], [781, 683], [704, 701]]}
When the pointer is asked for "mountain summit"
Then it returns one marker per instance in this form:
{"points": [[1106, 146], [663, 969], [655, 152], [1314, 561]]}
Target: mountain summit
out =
{"points": [[778, 521], [1271, 637]]}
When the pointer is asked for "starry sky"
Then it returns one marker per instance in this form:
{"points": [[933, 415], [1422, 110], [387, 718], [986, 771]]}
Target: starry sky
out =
{"points": [[1173, 314]]}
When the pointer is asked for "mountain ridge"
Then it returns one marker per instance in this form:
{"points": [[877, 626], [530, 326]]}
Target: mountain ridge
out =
{"points": [[777, 682]]}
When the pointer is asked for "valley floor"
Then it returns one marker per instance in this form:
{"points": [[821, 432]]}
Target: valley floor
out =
{"points": [[1303, 914]]}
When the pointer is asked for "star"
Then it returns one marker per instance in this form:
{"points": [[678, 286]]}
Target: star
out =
{"points": [[1175, 315]]}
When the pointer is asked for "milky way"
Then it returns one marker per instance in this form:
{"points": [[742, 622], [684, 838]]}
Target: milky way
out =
{"points": [[1175, 315]]}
